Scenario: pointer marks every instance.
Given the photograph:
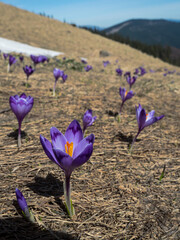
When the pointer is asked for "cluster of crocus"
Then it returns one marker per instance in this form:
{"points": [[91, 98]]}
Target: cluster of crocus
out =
{"points": [[119, 71], [125, 95], [168, 72], [39, 59], [28, 70], [21, 106], [88, 119], [12, 60], [57, 74], [68, 151], [144, 120], [140, 71], [105, 63], [23, 205], [88, 68]]}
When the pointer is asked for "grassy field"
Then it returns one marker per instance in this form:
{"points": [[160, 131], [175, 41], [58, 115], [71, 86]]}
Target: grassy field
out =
{"points": [[116, 195]]}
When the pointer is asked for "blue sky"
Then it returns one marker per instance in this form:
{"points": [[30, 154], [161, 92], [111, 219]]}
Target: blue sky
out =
{"points": [[102, 13]]}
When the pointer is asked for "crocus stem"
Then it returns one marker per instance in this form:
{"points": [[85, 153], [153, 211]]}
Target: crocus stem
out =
{"points": [[67, 193], [54, 89], [29, 215], [19, 135], [8, 68], [84, 129], [121, 108], [27, 82], [134, 141]]}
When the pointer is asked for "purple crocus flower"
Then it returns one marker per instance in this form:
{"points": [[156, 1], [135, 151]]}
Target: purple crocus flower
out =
{"points": [[35, 59], [28, 70], [21, 58], [12, 60], [68, 151], [105, 63], [42, 59], [57, 74], [88, 68], [127, 74], [84, 60], [21, 106], [5, 55], [125, 95], [131, 80], [119, 71], [88, 119], [23, 205], [142, 71], [136, 72], [64, 77], [21, 201], [144, 120]]}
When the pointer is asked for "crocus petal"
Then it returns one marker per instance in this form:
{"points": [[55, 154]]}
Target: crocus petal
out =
{"points": [[63, 160], [122, 92], [82, 145], [138, 110], [23, 95], [21, 200], [142, 119], [94, 118], [83, 156], [58, 139], [129, 95], [150, 115], [152, 120], [48, 150], [74, 133]]}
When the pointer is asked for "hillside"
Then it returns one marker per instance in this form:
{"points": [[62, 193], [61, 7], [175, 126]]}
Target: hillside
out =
{"points": [[117, 194], [151, 32]]}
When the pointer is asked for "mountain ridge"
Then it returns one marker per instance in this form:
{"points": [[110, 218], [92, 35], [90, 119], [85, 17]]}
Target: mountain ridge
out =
{"points": [[156, 31]]}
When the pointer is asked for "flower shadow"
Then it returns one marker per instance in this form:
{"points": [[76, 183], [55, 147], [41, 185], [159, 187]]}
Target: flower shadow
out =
{"points": [[124, 138], [14, 134], [19, 228], [49, 186], [111, 113]]}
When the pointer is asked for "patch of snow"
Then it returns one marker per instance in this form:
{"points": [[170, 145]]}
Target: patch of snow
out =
{"points": [[8, 46]]}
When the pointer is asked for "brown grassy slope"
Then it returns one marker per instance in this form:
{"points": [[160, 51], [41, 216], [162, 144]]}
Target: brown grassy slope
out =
{"points": [[116, 195], [30, 28]]}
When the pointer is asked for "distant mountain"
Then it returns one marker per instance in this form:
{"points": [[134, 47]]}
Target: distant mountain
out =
{"points": [[163, 32]]}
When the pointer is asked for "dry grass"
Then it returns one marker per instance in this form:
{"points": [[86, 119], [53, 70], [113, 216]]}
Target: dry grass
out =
{"points": [[116, 195]]}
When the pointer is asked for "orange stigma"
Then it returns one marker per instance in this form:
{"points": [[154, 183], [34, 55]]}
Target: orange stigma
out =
{"points": [[147, 115], [69, 148], [125, 93]]}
